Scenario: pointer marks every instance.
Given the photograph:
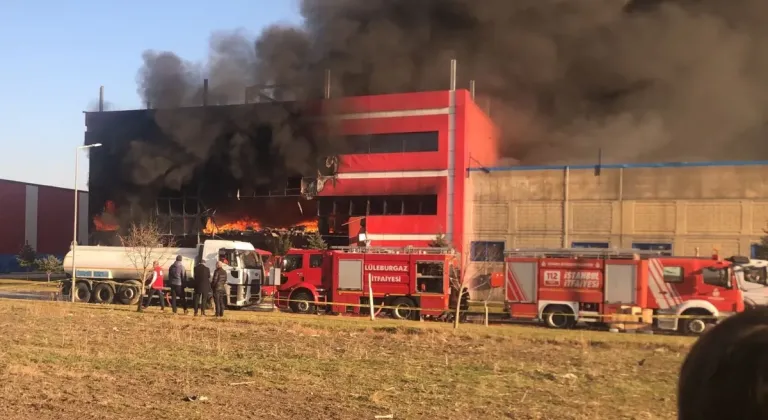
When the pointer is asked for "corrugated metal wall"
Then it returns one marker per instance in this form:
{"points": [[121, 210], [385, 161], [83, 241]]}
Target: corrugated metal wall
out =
{"points": [[40, 216]]}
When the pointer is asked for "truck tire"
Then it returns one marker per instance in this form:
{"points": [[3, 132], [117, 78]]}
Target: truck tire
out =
{"points": [[403, 308], [695, 326], [103, 293], [302, 303], [559, 317], [82, 292], [128, 293]]}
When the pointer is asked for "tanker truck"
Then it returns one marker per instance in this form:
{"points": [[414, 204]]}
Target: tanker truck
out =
{"points": [[109, 274]]}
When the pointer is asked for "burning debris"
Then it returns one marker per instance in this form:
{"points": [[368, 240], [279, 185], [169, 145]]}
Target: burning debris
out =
{"points": [[247, 225]]}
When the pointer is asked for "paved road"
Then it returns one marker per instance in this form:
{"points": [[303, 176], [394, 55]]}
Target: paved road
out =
{"points": [[28, 295]]}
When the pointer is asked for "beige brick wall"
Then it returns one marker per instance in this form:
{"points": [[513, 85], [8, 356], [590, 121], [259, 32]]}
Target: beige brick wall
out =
{"points": [[691, 207]]}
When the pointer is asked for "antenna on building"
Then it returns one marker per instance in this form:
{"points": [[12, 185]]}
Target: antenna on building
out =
{"points": [[205, 92], [453, 74], [599, 165], [327, 84], [101, 98], [472, 89]]}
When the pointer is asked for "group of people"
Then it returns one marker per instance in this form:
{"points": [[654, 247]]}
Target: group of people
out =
{"points": [[203, 282]]}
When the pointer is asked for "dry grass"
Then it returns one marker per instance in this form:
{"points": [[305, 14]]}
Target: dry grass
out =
{"points": [[86, 361]]}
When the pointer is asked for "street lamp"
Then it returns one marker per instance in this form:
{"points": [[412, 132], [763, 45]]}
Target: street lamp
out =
{"points": [[74, 221]]}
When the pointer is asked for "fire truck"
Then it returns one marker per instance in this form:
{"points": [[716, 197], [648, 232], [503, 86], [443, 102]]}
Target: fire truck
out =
{"points": [[561, 287], [415, 282]]}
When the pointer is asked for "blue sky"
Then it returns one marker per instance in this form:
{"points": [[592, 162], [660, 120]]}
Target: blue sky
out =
{"points": [[56, 54]]}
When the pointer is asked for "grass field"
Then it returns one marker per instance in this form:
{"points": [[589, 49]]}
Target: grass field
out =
{"points": [[67, 361]]}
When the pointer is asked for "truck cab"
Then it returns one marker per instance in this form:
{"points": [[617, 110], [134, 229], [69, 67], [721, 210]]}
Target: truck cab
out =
{"points": [[697, 287], [244, 266], [752, 277], [302, 279]]}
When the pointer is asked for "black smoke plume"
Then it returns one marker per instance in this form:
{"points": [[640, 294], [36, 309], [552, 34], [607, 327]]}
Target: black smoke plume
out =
{"points": [[642, 80]]}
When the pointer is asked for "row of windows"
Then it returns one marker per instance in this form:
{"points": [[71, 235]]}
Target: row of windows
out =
{"points": [[663, 248], [493, 251], [392, 143], [378, 205], [712, 277]]}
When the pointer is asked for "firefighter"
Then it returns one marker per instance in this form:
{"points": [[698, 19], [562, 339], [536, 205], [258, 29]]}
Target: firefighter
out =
{"points": [[202, 280], [219, 284], [723, 377], [156, 286], [177, 276]]}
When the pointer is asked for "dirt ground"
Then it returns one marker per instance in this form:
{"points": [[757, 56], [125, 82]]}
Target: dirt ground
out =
{"points": [[64, 361]]}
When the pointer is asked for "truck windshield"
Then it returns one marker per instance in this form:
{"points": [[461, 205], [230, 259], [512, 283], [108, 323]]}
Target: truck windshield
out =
{"points": [[755, 275], [251, 260]]}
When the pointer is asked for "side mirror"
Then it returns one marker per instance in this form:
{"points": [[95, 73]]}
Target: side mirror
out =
{"points": [[497, 280]]}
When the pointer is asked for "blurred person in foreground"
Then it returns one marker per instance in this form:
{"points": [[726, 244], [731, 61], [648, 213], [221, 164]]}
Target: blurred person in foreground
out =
{"points": [[725, 375]]}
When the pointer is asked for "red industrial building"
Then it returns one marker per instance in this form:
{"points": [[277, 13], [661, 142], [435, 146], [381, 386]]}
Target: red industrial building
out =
{"points": [[40, 216], [407, 177]]}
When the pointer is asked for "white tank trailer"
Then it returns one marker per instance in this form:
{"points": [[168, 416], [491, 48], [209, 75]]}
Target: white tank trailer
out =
{"points": [[108, 274]]}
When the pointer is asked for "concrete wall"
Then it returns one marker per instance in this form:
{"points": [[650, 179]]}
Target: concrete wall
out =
{"points": [[723, 206]]}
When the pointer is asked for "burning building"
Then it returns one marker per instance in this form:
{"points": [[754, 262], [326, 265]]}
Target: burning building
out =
{"points": [[387, 169]]}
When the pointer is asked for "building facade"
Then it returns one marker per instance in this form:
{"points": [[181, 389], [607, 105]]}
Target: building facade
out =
{"points": [[403, 181], [38, 215], [680, 209]]}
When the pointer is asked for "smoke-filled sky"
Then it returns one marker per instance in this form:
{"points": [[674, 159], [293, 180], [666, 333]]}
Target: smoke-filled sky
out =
{"points": [[682, 81]]}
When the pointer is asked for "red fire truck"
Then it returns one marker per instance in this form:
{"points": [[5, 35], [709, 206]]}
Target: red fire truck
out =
{"points": [[564, 286], [403, 278]]}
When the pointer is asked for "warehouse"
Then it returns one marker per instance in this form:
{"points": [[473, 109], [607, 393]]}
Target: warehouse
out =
{"points": [[40, 216], [676, 208]]}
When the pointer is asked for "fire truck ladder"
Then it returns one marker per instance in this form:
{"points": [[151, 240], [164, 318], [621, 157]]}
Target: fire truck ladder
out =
{"points": [[393, 250], [580, 253]]}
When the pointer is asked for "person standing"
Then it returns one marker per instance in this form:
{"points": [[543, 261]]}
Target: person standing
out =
{"points": [[219, 285], [155, 286], [202, 280], [177, 275]]}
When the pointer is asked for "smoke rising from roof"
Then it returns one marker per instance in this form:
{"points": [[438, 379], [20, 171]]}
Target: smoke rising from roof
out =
{"points": [[678, 80]]}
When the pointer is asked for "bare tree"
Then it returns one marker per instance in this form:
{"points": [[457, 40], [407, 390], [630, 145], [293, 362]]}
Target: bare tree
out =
{"points": [[460, 280], [463, 280], [143, 245]]}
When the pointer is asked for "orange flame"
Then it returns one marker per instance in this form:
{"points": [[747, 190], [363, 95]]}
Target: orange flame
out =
{"points": [[250, 224], [103, 226]]}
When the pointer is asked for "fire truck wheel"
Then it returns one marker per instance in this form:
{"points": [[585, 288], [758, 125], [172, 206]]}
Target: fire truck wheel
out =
{"points": [[559, 317], [103, 293], [302, 303], [695, 326], [128, 293], [82, 292], [403, 308]]}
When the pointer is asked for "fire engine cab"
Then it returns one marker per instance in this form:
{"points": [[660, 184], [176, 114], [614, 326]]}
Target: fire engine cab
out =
{"points": [[564, 286], [415, 281]]}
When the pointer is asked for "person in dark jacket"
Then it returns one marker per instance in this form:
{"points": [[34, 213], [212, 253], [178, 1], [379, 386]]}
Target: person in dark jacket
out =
{"points": [[219, 285], [202, 280], [177, 275]]}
